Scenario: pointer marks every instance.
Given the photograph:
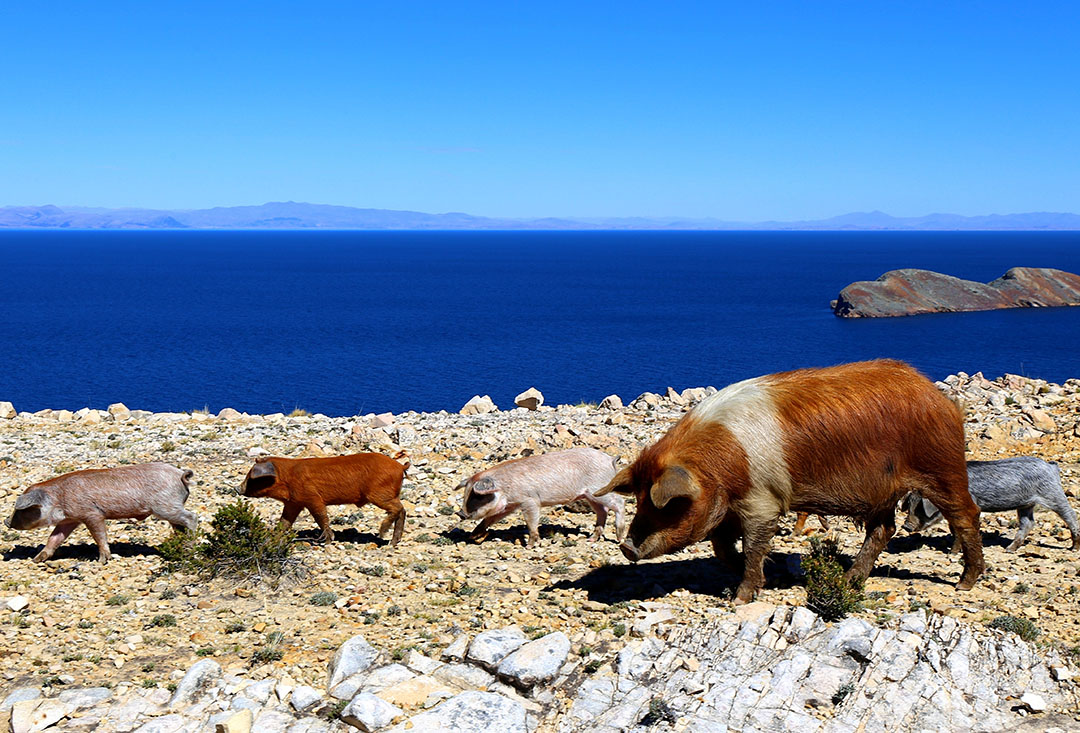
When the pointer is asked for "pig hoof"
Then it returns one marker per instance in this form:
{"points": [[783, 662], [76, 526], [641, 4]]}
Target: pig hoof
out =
{"points": [[104, 559], [40, 557], [965, 585]]}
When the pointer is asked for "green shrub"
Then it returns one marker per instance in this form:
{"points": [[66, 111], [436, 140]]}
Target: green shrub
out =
{"points": [[376, 571], [619, 630], [163, 619], [842, 692], [239, 544], [828, 593], [323, 598], [1023, 628], [118, 600], [235, 627]]}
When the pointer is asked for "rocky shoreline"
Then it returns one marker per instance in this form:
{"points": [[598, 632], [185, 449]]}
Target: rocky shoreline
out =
{"points": [[135, 629]]}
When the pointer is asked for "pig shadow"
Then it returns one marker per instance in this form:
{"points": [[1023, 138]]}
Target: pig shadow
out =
{"points": [[516, 535], [705, 575], [347, 534], [944, 542], [85, 551]]}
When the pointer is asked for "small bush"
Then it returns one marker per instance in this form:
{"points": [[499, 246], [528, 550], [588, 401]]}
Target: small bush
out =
{"points": [[842, 692], [239, 544], [84, 624], [206, 651], [619, 630], [828, 593], [270, 651], [659, 712], [149, 667], [1021, 587], [167, 595], [399, 653], [333, 712], [446, 510], [168, 446], [393, 611], [118, 600], [235, 627], [467, 590], [376, 571], [1023, 628], [324, 598], [441, 541], [148, 683], [163, 619], [299, 412], [593, 664]]}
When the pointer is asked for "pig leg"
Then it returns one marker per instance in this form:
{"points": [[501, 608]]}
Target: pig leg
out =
{"points": [[480, 532], [395, 515], [723, 543], [60, 533], [1060, 505], [531, 510], [289, 514], [318, 511], [757, 540], [1026, 515], [879, 530], [602, 509], [96, 525], [824, 522], [949, 494], [800, 524], [181, 519]]}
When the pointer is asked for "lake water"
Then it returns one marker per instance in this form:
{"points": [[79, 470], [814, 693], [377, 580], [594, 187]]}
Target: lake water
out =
{"points": [[352, 322]]}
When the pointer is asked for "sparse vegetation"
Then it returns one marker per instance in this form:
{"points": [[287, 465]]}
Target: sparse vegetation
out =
{"points": [[842, 692], [1022, 627], [828, 592], [1021, 587], [163, 619], [375, 571], [299, 412], [117, 600], [323, 598], [659, 712], [240, 544]]}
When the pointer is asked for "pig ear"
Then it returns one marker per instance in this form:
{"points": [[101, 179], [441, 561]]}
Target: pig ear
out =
{"points": [[263, 468], [674, 483], [484, 486], [29, 499], [621, 484]]}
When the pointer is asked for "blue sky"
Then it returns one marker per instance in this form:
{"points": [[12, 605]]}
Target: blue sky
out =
{"points": [[742, 111]]}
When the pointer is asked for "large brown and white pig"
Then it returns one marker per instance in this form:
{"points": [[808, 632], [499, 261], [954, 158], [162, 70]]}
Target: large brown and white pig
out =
{"points": [[315, 483], [549, 479], [849, 440], [90, 497]]}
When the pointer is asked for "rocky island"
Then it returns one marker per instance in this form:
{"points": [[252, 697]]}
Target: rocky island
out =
{"points": [[443, 634], [910, 292]]}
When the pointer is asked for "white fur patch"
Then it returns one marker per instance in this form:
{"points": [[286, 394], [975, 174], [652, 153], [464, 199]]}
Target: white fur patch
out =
{"points": [[747, 409]]}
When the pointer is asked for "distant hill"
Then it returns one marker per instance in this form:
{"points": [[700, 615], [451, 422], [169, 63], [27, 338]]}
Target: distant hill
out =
{"points": [[292, 215]]}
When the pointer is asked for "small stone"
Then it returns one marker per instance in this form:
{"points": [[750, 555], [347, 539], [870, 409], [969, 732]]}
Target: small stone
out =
{"points": [[47, 713], [238, 722], [369, 713], [85, 697], [7, 411], [17, 603], [530, 399], [643, 626], [414, 692], [229, 414], [387, 676], [1033, 702]]}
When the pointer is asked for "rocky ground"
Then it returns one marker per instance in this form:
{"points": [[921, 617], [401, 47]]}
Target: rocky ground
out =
{"points": [[74, 623]]}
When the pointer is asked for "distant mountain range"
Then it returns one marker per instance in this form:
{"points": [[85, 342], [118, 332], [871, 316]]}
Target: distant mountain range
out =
{"points": [[292, 215]]}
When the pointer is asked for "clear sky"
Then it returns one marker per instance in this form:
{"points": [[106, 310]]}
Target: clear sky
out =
{"points": [[742, 111]]}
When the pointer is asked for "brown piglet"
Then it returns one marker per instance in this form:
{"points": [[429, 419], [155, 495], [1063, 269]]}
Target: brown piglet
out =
{"points": [[315, 483]]}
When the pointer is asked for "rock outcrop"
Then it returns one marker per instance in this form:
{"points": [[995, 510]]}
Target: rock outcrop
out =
{"points": [[911, 292]]}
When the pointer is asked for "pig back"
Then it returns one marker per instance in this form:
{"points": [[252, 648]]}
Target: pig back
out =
{"points": [[342, 479], [553, 477], [119, 493]]}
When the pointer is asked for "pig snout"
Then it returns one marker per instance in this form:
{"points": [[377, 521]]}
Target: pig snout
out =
{"points": [[8, 521], [461, 513], [632, 553]]}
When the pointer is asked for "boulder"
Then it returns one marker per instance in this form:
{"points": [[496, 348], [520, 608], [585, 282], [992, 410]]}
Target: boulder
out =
{"points": [[118, 411], [382, 420], [369, 713], [7, 411], [238, 722], [490, 647], [19, 694], [355, 655], [199, 677], [304, 698], [537, 661], [469, 712], [478, 406], [530, 399], [612, 402], [229, 414]]}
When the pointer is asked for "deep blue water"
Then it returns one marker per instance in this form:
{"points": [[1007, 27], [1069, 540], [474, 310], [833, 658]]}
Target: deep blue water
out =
{"points": [[351, 322]]}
